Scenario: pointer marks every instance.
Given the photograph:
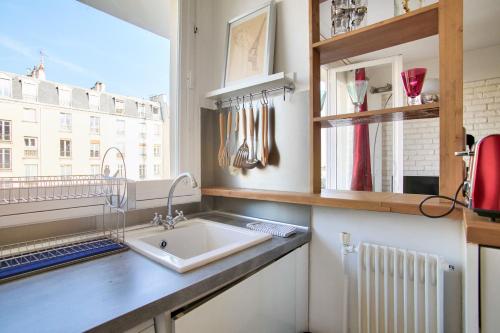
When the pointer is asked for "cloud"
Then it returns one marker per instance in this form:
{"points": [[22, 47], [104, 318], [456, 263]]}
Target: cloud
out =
{"points": [[17, 47]]}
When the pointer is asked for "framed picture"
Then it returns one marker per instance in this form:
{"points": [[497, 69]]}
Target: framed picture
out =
{"points": [[250, 45]]}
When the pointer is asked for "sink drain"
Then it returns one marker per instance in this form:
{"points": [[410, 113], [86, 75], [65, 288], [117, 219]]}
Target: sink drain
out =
{"points": [[163, 244]]}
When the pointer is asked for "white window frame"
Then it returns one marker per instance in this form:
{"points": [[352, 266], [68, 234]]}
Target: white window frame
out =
{"points": [[95, 153], [5, 86], [67, 149], [65, 121], [155, 112], [182, 136], [141, 110], [64, 169], [30, 150], [94, 97], [28, 174], [35, 113], [119, 105], [95, 125], [65, 95], [95, 169], [3, 136], [5, 163], [27, 95], [396, 63], [142, 171]]}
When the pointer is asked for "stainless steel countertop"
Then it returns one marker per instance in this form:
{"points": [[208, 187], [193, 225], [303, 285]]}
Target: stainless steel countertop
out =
{"points": [[119, 291]]}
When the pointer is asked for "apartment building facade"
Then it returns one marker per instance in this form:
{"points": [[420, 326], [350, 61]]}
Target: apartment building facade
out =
{"points": [[49, 128]]}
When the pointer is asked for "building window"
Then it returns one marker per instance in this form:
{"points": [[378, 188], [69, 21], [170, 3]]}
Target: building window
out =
{"points": [[64, 96], [29, 90], [30, 147], [5, 130], [142, 150], [94, 101], [95, 149], [30, 115], [31, 170], [66, 170], [5, 86], [65, 121], [143, 130], [157, 169], [121, 170], [141, 110], [65, 148], [157, 150], [156, 129], [5, 156], [142, 171], [119, 106], [120, 126], [156, 112], [95, 125], [95, 169]]}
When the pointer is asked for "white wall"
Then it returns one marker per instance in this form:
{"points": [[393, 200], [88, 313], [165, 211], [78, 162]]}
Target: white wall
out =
{"points": [[442, 237]]}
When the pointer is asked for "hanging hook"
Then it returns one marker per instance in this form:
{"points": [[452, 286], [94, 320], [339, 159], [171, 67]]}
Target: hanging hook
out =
{"points": [[219, 105], [251, 100], [266, 100], [284, 93], [238, 106], [230, 103]]}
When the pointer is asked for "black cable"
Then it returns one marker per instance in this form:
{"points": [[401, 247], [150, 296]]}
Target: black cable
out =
{"points": [[454, 200]]}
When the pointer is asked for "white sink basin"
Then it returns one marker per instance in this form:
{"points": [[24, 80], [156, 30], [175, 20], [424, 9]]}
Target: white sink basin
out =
{"points": [[192, 243]]}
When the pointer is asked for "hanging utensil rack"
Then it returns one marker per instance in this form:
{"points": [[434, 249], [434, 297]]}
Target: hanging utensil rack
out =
{"points": [[26, 258]]}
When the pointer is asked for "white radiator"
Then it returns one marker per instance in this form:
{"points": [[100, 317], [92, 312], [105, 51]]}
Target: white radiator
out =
{"points": [[399, 290]]}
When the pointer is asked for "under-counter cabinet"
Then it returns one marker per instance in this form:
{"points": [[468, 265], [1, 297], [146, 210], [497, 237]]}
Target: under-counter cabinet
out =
{"points": [[489, 291], [274, 299]]}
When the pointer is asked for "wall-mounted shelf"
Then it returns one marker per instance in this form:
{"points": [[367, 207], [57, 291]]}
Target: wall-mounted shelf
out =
{"points": [[401, 29], [269, 82], [379, 116]]}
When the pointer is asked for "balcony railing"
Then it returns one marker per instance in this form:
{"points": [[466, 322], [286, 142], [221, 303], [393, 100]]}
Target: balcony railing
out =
{"points": [[31, 153]]}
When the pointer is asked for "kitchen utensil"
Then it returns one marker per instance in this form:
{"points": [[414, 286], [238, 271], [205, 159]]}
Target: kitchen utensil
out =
{"points": [[264, 131], [251, 162], [235, 145], [220, 155], [226, 159], [242, 153]]}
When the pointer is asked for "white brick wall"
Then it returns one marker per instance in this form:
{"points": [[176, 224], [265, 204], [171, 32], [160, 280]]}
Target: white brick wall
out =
{"points": [[421, 137]]}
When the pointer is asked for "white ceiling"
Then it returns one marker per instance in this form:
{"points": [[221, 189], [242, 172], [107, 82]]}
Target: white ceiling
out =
{"points": [[481, 29], [152, 15]]}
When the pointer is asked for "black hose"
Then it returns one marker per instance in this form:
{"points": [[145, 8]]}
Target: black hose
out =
{"points": [[454, 204]]}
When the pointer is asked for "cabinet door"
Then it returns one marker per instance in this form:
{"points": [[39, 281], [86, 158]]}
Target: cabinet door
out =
{"points": [[267, 301], [489, 291]]}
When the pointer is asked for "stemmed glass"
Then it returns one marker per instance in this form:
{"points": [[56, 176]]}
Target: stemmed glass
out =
{"points": [[357, 92], [413, 80]]}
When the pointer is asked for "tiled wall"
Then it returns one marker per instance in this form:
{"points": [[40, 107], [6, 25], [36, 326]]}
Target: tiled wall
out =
{"points": [[421, 137]]}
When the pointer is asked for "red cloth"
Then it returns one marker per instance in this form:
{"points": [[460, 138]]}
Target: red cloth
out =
{"points": [[361, 168]]}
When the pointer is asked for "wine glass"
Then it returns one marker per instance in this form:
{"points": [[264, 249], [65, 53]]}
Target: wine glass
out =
{"points": [[413, 80], [357, 92]]}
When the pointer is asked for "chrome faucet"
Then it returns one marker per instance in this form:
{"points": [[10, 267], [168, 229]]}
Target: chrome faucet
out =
{"points": [[170, 222]]}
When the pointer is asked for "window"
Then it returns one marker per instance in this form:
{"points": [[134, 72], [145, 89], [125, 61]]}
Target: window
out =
{"points": [[95, 169], [65, 148], [65, 121], [5, 130], [5, 86], [121, 170], [5, 155], [30, 115], [30, 147], [31, 170], [95, 149], [120, 126], [119, 106], [64, 96], [142, 171], [66, 170], [157, 150], [94, 101], [142, 150], [156, 113], [141, 110], [143, 130], [156, 129], [157, 169], [29, 90], [95, 125]]}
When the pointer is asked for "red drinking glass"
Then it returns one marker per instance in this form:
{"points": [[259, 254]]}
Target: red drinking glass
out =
{"points": [[413, 80]]}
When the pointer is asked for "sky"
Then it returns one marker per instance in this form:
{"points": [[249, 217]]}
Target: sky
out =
{"points": [[82, 46]]}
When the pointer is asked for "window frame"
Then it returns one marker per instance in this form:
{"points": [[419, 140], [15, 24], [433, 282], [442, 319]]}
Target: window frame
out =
{"points": [[63, 153], [25, 109], [95, 153], [119, 101], [25, 82], [97, 96], [69, 124], [8, 80], [30, 148], [61, 91], [94, 130], [30, 164], [3, 151], [2, 130]]}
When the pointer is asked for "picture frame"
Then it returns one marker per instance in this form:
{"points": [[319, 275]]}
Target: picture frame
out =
{"points": [[249, 52]]}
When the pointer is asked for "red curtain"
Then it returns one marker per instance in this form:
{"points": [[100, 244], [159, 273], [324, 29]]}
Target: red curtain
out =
{"points": [[361, 171]]}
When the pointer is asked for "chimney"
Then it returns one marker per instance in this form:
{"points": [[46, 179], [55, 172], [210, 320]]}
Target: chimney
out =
{"points": [[99, 87]]}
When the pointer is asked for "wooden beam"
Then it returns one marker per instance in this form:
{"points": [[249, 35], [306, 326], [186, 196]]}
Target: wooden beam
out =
{"points": [[314, 100], [451, 172]]}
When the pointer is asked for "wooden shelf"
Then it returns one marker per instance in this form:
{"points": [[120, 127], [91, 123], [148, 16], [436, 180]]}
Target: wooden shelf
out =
{"points": [[372, 201], [480, 230], [413, 112], [401, 29]]}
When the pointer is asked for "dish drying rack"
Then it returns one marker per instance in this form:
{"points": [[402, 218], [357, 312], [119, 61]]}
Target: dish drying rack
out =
{"points": [[26, 258]]}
